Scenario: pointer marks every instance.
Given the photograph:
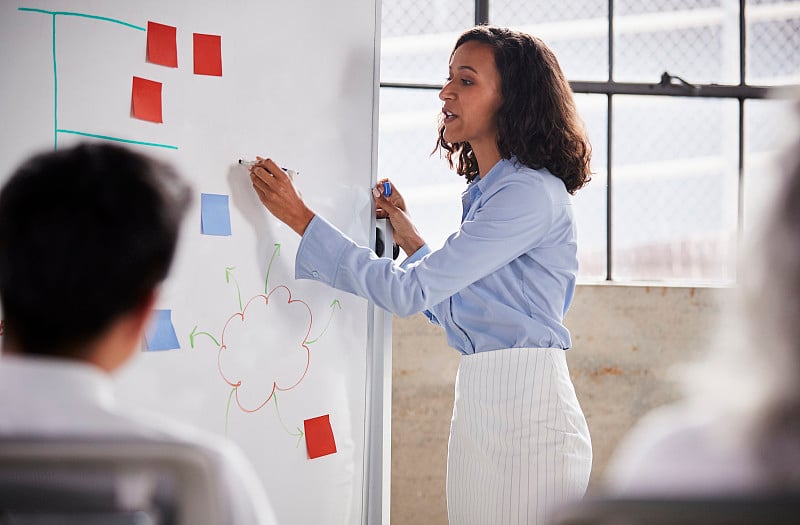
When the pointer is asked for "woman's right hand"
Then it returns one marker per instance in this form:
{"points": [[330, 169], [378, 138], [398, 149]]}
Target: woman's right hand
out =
{"points": [[279, 196], [394, 209]]}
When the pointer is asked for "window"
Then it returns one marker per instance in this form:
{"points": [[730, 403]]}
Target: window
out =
{"points": [[676, 97]]}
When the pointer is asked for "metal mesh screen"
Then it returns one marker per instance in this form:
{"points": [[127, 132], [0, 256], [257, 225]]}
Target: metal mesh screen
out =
{"points": [[773, 42], [675, 172], [407, 134], [417, 38], [576, 31], [590, 201], [768, 130], [675, 188], [698, 41]]}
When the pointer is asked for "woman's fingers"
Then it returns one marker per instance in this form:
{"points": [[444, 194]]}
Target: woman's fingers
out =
{"points": [[384, 207], [395, 197], [387, 205]]}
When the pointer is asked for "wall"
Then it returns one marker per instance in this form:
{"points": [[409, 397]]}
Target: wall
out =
{"points": [[626, 340]]}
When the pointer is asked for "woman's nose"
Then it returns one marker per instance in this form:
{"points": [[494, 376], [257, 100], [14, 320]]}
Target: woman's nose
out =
{"points": [[446, 93]]}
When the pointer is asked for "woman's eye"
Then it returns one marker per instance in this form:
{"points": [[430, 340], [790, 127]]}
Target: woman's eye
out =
{"points": [[465, 82]]}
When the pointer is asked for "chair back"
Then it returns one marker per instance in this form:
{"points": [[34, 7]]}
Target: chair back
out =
{"points": [[777, 509], [109, 481]]}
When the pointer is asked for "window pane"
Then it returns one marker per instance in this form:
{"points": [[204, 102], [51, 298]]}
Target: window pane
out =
{"points": [[696, 40], [576, 31], [773, 42], [417, 37], [768, 129], [408, 132], [408, 120], [590, 201], [674, 188]]}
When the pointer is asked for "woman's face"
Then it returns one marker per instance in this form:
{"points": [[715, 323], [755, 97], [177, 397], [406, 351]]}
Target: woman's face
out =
{"points": [[471, 96]]}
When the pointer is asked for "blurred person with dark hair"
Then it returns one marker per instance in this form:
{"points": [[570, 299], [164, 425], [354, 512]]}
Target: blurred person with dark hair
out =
{"points": [[737, 430], [87, 234]]}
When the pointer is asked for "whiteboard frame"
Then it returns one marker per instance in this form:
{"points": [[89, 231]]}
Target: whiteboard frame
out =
{"points": [[378, 463]]}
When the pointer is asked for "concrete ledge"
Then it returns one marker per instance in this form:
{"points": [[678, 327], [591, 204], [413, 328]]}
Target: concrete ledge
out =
{"points": [[626, 341]]}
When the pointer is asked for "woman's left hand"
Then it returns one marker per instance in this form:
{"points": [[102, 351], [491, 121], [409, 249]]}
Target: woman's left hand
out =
{"points": [[405, 233], [395, 198], [279, 196]]}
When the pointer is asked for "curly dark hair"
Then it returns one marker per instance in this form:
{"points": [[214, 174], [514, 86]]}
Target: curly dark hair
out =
{"points": [[537, 121]]}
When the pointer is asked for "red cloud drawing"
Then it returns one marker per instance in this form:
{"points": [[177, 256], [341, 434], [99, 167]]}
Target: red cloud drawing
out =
{"points": [[262, 349]]}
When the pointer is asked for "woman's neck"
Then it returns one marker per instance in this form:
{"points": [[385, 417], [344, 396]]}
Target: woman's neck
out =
{"points": [[486, 155]]}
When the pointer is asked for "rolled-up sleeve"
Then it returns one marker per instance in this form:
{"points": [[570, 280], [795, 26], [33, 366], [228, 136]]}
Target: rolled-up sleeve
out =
{"points": [[414, 258], [504, 228], [327, 255]]}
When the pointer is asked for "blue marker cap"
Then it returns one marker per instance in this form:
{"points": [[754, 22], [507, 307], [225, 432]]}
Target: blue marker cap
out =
{"points": [[387, 189]]}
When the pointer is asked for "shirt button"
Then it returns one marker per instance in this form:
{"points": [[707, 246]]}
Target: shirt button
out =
{"points": [[315, 274]]}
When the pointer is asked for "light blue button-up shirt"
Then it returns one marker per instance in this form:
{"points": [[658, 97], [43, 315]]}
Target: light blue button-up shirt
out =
{"points": [[505, 279]]}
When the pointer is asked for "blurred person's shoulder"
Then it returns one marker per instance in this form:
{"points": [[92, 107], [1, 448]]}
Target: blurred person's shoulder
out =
{"points": [[683, 450]]}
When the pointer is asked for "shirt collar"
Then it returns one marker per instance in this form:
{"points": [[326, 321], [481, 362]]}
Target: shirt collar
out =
{"points": [[479, 185], [82, 380]]}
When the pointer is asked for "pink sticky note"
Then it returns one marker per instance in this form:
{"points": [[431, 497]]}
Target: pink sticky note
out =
{"points": [[207, 54], [161, 46], [319, 437], [146, 99]]}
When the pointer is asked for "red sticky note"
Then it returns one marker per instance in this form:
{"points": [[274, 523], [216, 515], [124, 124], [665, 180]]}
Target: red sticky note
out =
{"points": [[207, 54], [161, 46], [319, 437], [146, 99]]}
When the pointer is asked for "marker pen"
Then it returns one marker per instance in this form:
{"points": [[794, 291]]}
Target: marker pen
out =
{"points": [[250, 163], [387, 189]]}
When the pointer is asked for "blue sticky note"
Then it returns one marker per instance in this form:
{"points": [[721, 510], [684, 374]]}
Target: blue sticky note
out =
{"points": [[161, 334], [215, 214]]}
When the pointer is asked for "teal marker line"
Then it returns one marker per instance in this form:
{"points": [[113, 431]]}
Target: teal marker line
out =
{"points": [[83, 15], [53, 14], [55, 89], [116, 139]]}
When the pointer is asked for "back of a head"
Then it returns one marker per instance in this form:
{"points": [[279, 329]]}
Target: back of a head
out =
{"points": [[86, 234]]}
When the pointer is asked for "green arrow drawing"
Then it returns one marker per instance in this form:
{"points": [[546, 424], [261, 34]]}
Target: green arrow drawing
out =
{"points": [[228, 275], [275, 253], [335, 304], [196, 333], [299, 433], [228, 409]]}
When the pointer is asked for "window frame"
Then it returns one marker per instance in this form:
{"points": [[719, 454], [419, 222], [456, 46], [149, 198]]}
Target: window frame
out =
{"points": [[668, 85]]}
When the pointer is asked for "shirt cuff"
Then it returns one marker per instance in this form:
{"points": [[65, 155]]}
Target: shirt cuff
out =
{"points": [[416, 256], [320, 251]]}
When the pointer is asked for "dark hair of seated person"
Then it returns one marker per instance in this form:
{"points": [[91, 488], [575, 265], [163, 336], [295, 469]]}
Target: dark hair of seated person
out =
{"points": [[87, 233]]}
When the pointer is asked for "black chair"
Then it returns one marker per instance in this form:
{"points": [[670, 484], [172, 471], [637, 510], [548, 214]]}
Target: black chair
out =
{"points": [[777, 509], [66, 482]]}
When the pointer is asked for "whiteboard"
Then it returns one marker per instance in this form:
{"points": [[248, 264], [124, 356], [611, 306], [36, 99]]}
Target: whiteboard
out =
{"points": [[260, 354]]}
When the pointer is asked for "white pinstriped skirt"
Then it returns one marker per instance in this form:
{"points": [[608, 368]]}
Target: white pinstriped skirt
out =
{"points": [[519, 444]]}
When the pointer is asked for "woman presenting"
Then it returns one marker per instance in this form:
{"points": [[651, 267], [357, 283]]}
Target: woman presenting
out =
{"points": [[500, 285]]}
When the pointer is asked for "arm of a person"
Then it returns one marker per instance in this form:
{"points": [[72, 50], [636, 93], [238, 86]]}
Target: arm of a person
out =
{"points": [[510, 222], [416, 257]]}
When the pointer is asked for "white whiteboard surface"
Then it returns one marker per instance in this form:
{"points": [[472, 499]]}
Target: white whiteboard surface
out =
{"points": [[298, 83]]}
